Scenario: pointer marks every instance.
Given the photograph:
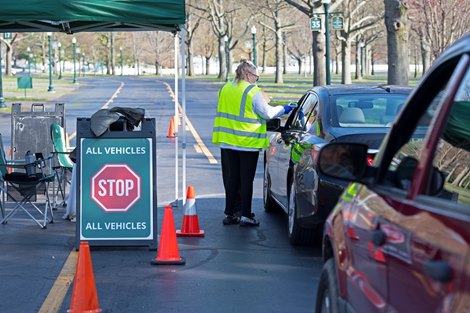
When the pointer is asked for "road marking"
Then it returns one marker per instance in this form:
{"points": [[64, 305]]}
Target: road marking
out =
{"points": [[193, 131], [105, 106], [61, 285], [197, 148]]}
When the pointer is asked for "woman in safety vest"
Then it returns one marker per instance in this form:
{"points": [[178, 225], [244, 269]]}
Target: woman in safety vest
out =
{"points": [[240, 131]]}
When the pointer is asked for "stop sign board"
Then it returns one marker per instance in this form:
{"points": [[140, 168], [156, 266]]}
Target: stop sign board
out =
{"points": [[115, 188], [117, 193]]}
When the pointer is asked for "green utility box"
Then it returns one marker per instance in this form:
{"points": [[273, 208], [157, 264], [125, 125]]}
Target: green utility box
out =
{"points": [[116, 186]]}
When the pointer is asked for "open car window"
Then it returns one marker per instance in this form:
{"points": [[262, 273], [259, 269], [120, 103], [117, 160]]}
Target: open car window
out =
{"points": [[452, 156], [305, 115]]}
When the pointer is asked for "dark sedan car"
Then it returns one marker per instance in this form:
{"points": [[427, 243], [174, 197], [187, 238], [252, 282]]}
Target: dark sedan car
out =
{"points": [[357, 113], [399, 238]]}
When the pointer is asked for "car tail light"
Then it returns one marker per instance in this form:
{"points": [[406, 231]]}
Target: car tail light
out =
{"points": [[370, 159]]}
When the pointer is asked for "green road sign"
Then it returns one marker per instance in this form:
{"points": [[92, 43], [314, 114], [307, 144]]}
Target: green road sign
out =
{"points": [[25, 82], [7, 35], [117, 189], [315, 24], [337, 23]]}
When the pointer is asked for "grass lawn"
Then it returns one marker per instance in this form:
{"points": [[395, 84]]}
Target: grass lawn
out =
{"points": [[38, 93], [295, 85]]}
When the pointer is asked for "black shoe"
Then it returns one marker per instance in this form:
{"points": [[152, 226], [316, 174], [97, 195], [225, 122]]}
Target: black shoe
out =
{"points": [[247, 221], [231, 220]]}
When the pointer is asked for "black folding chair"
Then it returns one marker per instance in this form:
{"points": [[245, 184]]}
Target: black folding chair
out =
{"points": [[26, 187]]}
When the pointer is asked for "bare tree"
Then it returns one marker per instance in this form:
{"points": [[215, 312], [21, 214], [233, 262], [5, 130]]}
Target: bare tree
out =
{"points": [[8, 54], [299, 49], [273, 10], [205, 44], [311, 8], [193, 21], [396, 22], [359, 19], [157, 46], [437, 24]]}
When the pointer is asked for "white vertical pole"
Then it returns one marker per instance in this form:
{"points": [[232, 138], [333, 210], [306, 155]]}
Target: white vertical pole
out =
{"points": [[175, 117], [183, 97]]}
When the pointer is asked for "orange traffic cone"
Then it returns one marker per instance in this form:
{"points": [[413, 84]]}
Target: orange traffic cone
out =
{"points": [[171, 129], [190, 226], [84, 296], [168, 247]]}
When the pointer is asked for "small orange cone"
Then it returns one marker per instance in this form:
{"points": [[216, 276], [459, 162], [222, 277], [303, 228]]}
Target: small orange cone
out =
{"points": [[168, 247], [190, 226], [171, 129], [84, 296]]}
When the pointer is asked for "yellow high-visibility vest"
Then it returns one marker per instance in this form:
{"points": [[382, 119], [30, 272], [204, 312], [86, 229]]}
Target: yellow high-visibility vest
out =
{"points": [[235, 123]]}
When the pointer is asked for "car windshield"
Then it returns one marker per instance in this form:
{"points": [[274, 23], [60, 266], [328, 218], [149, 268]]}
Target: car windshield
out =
{"points": [[366, 110]]}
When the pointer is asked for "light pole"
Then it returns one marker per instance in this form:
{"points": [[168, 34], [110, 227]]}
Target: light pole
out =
{"points": [[226, 58], [28, 50], [120, 58], [2, 100], [326, 4], [51, 86], [253, 32], [59, 46], [74, 45]]}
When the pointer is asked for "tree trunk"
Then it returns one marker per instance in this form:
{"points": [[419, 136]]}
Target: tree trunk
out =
{"points": [[284, 53], [319, 71], [8, 59], [372, 62], [357, 61], [208, 62], [221, 59], [279, 79], [425, 52], [337, 58], [190, 60], [346, 60], [396, 22], [367, 59], [264, 60], [113, 57]]}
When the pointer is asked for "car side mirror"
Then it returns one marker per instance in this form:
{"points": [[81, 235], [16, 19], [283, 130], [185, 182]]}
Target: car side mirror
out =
{"points": [[346, 161], [273, 125]]}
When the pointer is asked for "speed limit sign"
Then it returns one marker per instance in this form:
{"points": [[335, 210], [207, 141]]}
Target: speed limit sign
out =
{"points": [[315, 24]]}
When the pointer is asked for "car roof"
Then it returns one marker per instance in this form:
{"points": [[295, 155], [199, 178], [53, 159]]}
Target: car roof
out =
{"points": [[362, 88]]}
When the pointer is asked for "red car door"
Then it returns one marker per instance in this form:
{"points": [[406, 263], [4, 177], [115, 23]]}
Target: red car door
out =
{"points": [[365, 266], [427, 243]]}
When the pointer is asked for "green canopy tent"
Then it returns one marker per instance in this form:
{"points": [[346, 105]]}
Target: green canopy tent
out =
{"points": [[73, 16]]}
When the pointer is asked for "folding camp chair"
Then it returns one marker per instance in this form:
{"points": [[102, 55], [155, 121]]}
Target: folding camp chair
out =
{"points": [[63, 164], [26, 186]]}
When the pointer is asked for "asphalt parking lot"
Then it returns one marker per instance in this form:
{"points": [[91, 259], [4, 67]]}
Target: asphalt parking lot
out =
{"points": [[230, 269]]}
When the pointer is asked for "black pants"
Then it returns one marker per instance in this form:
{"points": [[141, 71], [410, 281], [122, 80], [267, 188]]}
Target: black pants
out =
{"points": [[238, 172]]}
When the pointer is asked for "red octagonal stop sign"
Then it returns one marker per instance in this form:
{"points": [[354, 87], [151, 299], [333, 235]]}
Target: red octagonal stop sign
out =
{"points": [[115, 187]]}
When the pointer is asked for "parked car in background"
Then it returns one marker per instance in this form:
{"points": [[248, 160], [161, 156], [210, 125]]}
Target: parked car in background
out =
{"points": [[357, 113], [398, 239]]}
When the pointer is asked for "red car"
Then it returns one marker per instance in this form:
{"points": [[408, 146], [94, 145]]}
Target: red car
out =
{"points": [[398, 238]]}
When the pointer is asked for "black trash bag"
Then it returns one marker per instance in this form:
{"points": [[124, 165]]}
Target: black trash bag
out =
{"points": [[133, 116], [104, 119]]}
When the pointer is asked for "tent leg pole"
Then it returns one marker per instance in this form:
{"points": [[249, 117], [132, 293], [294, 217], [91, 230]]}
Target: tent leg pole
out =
{"points": [[183, 96], [176, 120]]}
